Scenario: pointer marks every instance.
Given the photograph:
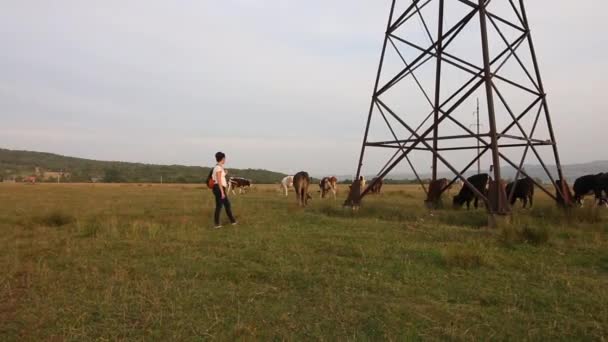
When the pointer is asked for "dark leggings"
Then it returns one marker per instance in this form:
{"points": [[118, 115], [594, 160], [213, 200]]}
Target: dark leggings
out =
{"points": [[219, 203]]}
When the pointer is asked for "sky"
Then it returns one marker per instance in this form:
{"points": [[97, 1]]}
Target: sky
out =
{"points": [[276, 84]]}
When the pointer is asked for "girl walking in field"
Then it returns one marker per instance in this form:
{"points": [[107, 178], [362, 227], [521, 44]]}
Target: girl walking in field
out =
{"points": [[220, 191]]}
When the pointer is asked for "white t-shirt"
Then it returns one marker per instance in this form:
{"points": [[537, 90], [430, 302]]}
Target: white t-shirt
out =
{"points": [[223, 182]]}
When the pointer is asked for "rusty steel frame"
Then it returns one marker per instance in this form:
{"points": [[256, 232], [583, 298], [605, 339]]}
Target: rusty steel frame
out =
{"points": [[428, 140]]}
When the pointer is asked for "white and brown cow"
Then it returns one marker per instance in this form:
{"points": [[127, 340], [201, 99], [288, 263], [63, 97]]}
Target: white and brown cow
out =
{"points": [[286, 183], [328, 184], [362, 184], [238, 183]]}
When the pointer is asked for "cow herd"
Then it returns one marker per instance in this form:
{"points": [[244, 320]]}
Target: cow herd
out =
{"points": [[301, 183], [522, 189]]}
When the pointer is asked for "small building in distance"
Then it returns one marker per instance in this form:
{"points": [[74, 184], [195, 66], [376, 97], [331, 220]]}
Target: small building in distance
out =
{"points": [[51, 175]]}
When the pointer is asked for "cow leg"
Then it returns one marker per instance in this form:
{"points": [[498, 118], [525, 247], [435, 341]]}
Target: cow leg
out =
{"points": [[468, 204], [525, 201], [598, 197], [531, 200], [476, 203]]}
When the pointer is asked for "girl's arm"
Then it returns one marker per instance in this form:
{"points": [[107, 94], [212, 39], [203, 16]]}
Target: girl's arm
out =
{"points": [[218, 176]]}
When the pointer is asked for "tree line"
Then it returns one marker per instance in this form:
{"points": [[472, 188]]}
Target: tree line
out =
{"points": [[21, 164]]}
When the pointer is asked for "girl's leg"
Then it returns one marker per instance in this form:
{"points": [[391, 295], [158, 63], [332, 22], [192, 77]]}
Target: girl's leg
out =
{"points": [[228, 207], [218, 204]]}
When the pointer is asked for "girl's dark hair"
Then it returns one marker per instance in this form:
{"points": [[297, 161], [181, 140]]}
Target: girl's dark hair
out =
{"points": [[219, 156]]}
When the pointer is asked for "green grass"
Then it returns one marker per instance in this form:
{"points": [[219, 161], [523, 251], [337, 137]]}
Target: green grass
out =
{"points": [[129, 262]]}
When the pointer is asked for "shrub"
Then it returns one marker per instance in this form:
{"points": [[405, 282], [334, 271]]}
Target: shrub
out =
{"points": [[464, 218], [531, 234], [535, 235], [463, 257], [55, 218]]}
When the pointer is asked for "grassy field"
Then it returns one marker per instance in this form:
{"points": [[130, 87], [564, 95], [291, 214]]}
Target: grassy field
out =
{"points": [[140, 262]]}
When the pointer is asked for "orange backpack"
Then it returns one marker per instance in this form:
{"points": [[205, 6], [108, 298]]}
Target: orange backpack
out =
{"points": [[210, 181]]}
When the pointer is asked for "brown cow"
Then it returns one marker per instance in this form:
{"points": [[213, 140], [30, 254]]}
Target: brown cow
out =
{"points": [[377, 188], [301, 181]]}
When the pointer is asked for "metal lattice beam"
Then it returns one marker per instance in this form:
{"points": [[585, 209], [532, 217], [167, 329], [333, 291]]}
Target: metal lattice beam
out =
{"points": [[427, 136]]}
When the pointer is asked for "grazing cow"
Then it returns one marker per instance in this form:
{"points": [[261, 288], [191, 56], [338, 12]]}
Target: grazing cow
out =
{"points": [[328, 184], [435, 193], [466, 195], [362, 184], [603, 184], [377, 188], [590, 184], [238, 183], [301, 181], [286, 183], [522, 189]]}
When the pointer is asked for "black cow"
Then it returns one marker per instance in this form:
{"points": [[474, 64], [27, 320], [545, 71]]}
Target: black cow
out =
{"points": [[523, 189], [466, 195], [301, 182], [590, 184], [603, 184]]}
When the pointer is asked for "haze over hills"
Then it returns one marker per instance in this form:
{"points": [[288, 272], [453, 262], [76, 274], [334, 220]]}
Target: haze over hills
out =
{"points": [[571, 172], [19, 164]]}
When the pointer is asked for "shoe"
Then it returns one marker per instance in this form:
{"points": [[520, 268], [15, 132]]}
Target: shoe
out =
{"points": [[217, 227]]}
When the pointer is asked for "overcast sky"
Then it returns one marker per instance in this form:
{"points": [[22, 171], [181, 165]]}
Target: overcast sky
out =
{"points": [[282, 85]]}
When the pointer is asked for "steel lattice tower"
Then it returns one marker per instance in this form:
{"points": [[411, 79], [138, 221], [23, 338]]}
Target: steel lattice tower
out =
{"points": [[450, 52]]}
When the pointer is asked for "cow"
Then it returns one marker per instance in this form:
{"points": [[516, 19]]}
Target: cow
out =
{"points": [[603, 184], [328, 184], [286, 183], [522, 189], [377, 188], [466, 195], [238, 183], [301, 181], [362, 182], [590, 184]]}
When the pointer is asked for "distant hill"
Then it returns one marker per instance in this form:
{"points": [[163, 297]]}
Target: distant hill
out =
{"points": [[18, 164], [571, 172]]}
